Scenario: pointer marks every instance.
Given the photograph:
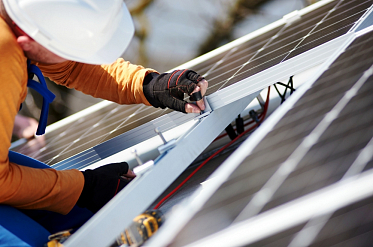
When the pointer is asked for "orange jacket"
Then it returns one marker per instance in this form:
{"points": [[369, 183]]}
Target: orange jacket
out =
{"points": [[49, 189]]}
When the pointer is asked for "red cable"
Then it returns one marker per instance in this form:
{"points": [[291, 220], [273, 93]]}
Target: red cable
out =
{"points": [[261, 117]]}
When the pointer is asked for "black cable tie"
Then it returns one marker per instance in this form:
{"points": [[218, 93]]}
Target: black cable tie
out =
{"points": [[230, 131], [240, 126]]}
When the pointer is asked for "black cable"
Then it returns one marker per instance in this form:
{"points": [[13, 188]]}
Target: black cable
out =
{"points": [[290, 86]]}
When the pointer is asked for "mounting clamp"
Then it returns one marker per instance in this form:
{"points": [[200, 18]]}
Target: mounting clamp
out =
{"points": [[166, 145], [141, 168]]}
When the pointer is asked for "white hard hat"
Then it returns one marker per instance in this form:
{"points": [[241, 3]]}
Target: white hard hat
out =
{"points": [[88, 31]]}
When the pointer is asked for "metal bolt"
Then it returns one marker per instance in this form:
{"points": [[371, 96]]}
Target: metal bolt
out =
{"points": [[160, 135], [134, 151]]}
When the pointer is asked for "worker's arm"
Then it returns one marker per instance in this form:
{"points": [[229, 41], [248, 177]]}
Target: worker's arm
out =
{"points": [[25, 187], [120, 82], [125, 83]]}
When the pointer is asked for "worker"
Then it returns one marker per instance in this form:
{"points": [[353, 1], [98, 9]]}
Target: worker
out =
{"points": [[76, 44]]}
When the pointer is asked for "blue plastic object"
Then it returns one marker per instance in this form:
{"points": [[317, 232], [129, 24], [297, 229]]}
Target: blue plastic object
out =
{"points": [[42, 89]]}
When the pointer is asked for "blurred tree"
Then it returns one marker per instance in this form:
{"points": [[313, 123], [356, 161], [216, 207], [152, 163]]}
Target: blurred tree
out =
{"points": [[142, 31], [222, 29]]}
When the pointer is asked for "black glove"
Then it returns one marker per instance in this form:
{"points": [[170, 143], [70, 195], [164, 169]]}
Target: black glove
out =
{"points": [[102, 184], [167, 89]]}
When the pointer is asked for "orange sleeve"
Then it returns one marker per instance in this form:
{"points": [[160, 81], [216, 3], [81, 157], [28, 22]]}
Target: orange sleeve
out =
{"points": [[120, 82], [46, 189], [21, 186]]}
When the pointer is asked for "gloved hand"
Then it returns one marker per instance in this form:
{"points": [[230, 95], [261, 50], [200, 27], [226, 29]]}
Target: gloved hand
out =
{"points": [[102, 184], [167, 90]]}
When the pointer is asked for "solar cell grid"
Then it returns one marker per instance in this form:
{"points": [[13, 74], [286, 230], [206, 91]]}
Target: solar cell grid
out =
{"points": [[94, 132], [349, 226], [289, 36], [305, 105], [257, 56], [297, 38], [331, 157], [227, 67], [73, 130], [211, 63], [337, 22], [325, 137], [89, 131], [123, 141], [137, 119]]}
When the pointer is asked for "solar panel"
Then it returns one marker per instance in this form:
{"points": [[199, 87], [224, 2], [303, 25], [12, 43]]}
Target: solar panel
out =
{"points": [[323, 140], [285, 41], [96, 136], [348, 226], [284, 224], [338, 21], [138, 195]]}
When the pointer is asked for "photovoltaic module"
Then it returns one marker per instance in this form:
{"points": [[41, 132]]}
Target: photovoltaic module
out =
{"points": [[317, 147]]}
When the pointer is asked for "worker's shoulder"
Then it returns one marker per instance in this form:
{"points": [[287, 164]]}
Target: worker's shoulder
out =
{"points": [[8, 42]]}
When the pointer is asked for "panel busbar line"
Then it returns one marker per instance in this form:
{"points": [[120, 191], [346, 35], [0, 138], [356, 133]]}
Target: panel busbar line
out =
{"points": [[227, 68], [325, 138]]}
